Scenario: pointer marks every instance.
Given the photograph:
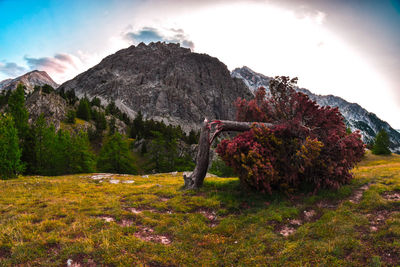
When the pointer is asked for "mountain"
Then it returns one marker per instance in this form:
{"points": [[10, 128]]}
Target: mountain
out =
{"points": [[163, 81], [30, 80], [5, 83], [357, 118]]}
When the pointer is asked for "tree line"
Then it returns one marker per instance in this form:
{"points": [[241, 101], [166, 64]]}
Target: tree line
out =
{"points": [[38, 148]]}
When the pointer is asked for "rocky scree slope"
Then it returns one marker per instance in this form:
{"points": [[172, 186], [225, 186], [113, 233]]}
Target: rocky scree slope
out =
{"points": [[30, 80], [356, 117], [165, 82]]}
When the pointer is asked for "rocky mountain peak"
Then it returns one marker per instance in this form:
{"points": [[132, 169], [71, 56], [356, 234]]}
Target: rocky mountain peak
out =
{"points": [[163, 81], [30, 80], [252, 79]]}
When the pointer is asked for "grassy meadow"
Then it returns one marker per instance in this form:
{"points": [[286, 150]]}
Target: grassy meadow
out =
{"points": [[125, 220]]}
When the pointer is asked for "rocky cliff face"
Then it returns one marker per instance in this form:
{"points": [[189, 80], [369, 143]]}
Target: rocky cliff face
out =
{"points": [[30, 80], [165, 82], [53, 107], [357, 118]]}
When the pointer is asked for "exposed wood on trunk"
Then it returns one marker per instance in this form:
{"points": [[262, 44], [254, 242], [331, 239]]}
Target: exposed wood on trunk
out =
{"points": [[196, 178]]}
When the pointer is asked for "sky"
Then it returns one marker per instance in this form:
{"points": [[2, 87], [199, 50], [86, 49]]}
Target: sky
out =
{"points": [[348, 48]]}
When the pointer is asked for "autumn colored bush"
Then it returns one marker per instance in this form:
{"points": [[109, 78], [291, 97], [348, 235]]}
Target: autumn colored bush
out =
{"points": [[308, 144]]}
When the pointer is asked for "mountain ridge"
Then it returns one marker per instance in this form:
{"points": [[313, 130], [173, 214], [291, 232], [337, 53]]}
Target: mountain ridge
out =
{"points": [[356, 117], [30, 80], [165, 82]]}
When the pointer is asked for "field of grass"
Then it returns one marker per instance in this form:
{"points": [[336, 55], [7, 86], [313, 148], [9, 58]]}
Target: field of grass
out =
{"points": [[116, 220]]}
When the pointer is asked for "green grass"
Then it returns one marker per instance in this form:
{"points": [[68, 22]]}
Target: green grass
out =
{"points": [[48, 220]]}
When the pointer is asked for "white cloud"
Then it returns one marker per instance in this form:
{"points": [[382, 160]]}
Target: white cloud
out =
{"points": [[11, 69], [151, 34], [278, 41]]}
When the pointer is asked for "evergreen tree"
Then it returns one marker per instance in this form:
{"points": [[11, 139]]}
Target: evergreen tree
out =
{"points": [[100, 122], [47, 89], [112, 109], [164, 152], [96, 102], [69, 96], [111, 127], [45, 148], [193, 137], [71, 115], [16, 107], [4, 96], [56, 153], [158, 152], [61, 154], [82, 158], [83, 111], [381, 144], [137, 126], [115, 155], [143, 150], [10, 153]]}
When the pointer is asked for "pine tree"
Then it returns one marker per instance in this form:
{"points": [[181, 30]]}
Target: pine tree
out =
{"points": [[96, 102], [44, 147], [137, 126], [16, 107], [10, 153], [115, 155], [83, 111], [381, 144], [111, 127], [71, 114], [157, 152], [164, 152], [82, 158], [62, 153], [56, 153]]}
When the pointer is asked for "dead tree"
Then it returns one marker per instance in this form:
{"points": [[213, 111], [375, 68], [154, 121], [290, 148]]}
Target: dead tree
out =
{"points": [[195, 180]]}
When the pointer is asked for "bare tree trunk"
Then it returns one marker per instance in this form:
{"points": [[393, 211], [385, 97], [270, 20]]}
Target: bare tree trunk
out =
{"points": [[195, 180]]}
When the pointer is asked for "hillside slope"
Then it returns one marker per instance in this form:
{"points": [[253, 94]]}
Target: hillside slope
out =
{"points": [[110, 220], [357, 118]]}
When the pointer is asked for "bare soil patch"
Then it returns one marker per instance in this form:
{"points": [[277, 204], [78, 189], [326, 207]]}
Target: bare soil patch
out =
{"points": [[147, 234], [391, 196], [356, 197]]}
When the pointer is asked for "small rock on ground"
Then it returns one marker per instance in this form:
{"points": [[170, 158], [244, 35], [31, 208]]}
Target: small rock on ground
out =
{"points": [[126, 223], [287, 230], [101, 176], [309, 214], [107, 218]]}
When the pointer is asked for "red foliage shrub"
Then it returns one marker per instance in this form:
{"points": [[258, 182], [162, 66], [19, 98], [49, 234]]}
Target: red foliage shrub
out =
{"points": [[308, 144]]}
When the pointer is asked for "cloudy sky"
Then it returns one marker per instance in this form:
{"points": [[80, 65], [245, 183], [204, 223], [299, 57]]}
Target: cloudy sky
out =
{"points": [[349, 48]]}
